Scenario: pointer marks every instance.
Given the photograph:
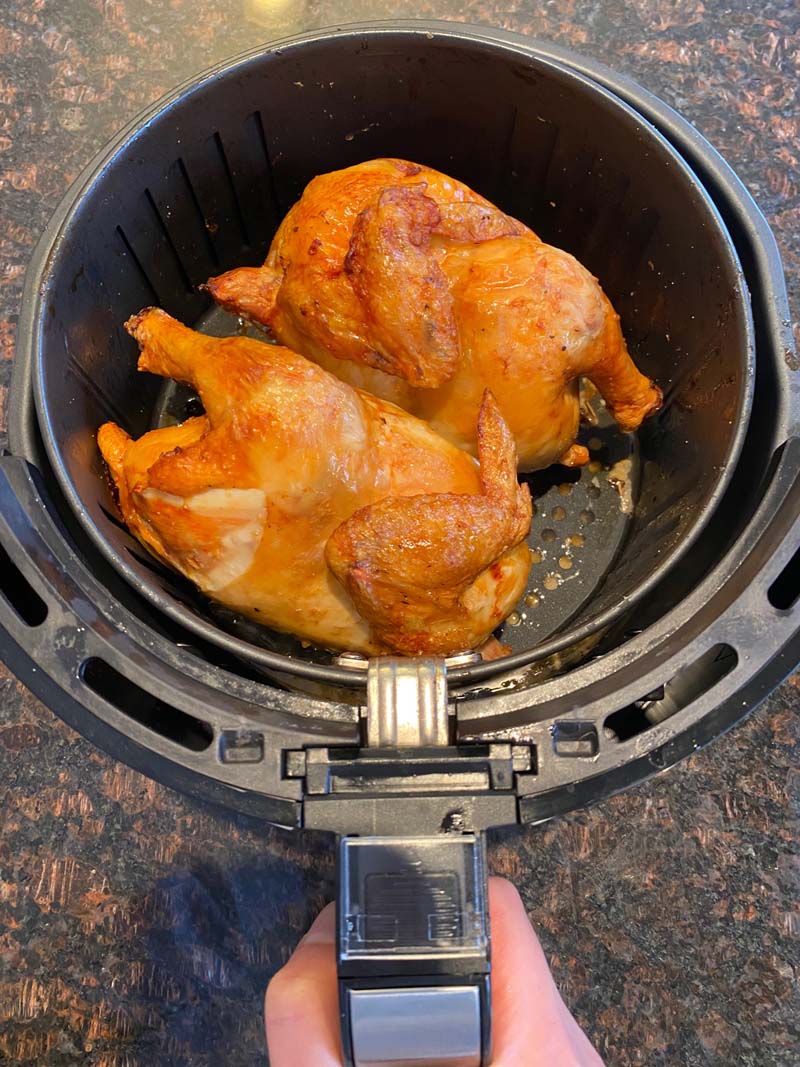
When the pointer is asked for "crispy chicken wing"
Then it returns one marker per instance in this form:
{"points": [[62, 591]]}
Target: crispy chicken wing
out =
{"points": [[406, 283], [318, 509]]}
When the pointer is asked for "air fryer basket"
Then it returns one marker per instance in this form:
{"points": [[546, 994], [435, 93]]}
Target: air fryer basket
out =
{"points": [[198, 189], [122, 649]]}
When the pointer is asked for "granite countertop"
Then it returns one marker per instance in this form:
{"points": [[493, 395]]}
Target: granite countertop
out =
{"points": [[139, 927]]}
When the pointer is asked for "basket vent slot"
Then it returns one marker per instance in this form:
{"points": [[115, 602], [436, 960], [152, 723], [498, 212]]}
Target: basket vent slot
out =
{"points": [[144, 708], [199, 220], [575, 739], [151, 564], [115, 520], [785, 590], [19, 593], [168, 242], [690, 683], [144, 277], [226, 167], [256, 123]]}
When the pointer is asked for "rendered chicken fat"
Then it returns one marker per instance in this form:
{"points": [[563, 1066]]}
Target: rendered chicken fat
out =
{"points": [[317, 509], [406, 283]]}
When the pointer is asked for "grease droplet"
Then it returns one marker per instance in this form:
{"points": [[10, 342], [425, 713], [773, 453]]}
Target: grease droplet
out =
{"points": [[514, 619], [586, 516], [595, 444], [551, 582], [565, 489], [536, 556], [595, 465], [594, 490], [548, 535], [565, 563], [577, 540], [532, 600], [558, 513]]}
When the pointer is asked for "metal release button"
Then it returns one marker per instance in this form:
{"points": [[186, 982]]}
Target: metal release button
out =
{"points": [[438, 1026]]}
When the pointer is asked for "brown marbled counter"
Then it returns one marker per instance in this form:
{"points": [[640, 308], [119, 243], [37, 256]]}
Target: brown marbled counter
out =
{"points": [[138, 927]]}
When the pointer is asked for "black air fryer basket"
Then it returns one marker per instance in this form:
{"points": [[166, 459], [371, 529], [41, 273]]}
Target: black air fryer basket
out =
{"points": [[680, 613]]}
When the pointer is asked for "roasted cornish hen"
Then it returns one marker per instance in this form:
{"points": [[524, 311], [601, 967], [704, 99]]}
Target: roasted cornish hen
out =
{"points": [[319, 509], [406, 283]]}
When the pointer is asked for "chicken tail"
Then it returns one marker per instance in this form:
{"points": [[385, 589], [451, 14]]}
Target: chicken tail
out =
{"points": [[247, 291]]}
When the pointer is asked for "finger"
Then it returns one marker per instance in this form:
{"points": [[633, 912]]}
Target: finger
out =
{"points": [[302, 1003], [531, 1026]]}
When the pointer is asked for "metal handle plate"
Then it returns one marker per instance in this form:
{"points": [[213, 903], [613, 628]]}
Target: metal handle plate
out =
{"points": [[406, 703], [425, 1027]]}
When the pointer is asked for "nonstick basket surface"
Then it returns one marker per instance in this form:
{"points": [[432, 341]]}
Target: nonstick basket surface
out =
{"points": [[200, 186]]}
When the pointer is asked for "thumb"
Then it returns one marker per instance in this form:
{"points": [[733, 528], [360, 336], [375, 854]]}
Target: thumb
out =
{"points": [[302, 1004]]}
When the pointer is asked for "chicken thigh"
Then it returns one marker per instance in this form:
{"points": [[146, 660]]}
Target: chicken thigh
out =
{"points": [[408, 284], [319, 509]]}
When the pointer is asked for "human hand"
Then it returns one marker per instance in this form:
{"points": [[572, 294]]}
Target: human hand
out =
{"points": [[531, 1025]]}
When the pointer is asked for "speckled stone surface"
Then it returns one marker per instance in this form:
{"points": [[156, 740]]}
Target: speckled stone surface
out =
{"points": [[140, 928]]}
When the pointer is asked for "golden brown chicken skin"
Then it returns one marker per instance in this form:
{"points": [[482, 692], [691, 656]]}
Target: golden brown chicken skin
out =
{"points": [[406, 283], [318, 509]]}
